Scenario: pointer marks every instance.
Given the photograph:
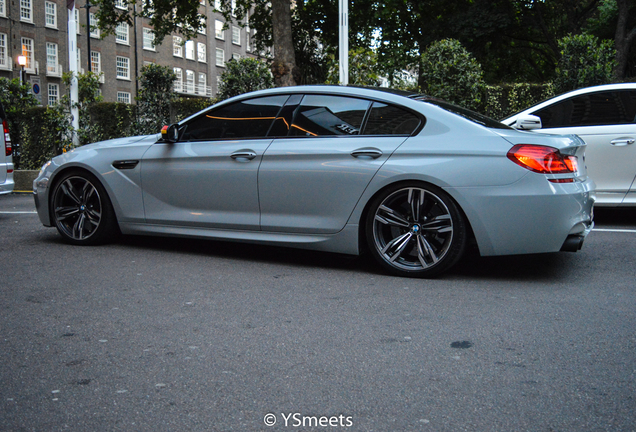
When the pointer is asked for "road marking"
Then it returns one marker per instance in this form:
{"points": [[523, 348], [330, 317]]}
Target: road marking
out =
{"points": [[18, 212], [615, 230]]}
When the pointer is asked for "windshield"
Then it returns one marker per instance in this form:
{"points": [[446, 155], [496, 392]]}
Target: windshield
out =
{"points": [[466, 113]]}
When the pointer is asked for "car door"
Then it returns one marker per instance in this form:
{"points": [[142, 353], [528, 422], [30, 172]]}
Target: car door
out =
{"points": [[606, 122], [208, 178], [311, 180]]}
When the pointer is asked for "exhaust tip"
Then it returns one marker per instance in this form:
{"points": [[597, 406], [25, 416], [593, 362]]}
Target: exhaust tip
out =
{"points": [[573, 243]]}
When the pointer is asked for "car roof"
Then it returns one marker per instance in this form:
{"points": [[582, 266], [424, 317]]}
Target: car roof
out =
{"points": [[577, 92]]}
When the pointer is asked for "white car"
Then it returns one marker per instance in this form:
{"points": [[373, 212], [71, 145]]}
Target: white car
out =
{"points": [[605, 118], [6, 160]]}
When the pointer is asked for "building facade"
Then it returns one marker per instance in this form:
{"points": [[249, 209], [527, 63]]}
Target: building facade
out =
{"points": [[38, 29]]}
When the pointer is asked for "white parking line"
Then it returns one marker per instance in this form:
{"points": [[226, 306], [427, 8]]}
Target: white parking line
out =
{"points": [[18, 212], [615, 230]]}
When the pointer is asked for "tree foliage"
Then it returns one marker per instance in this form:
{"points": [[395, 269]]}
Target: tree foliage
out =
{"points": [[585, 61], [243, 76], [154, 98], [88, 94], [363, 68], [451, 73]]}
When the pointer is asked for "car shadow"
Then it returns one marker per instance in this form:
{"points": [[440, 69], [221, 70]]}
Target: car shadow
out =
{"points": [[535, 267]]}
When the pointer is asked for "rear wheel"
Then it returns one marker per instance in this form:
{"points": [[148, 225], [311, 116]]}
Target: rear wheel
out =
{"points": [[81, 210], [415, 230]]}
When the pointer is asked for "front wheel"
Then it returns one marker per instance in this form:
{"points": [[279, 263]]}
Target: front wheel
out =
{"points": [[81, 210], [415, 230]]}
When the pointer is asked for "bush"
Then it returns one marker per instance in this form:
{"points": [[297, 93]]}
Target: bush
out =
{"points": [[504, 100], [363, 68], [449, 71], [585, 61], [46, 132], [154, 98], [113, 119], [243, 76], [185, 107]]}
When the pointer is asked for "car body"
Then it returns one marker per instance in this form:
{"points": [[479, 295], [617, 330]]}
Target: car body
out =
{"points": [[330, 168], [6, 158], [605, 118]]}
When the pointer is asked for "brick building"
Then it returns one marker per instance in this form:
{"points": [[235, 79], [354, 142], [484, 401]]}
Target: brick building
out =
{"points": [[38, 29]]}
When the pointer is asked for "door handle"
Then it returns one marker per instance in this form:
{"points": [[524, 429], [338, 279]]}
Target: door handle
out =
{"points": [[620, 142], [369, 153], [242, 155]]}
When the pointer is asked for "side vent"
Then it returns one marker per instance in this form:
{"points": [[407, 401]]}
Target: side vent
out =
{"points": [[125, 164]]}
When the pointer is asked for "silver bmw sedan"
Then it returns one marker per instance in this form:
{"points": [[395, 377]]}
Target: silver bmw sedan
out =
{"points": [[409, 179]]}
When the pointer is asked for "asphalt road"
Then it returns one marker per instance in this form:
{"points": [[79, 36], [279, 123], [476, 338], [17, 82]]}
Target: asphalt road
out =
{"points": [[153, 334]]}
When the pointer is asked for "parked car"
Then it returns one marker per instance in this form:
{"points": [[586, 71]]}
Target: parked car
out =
{"points": [[6, 158], [330, 168], [605, 118]]}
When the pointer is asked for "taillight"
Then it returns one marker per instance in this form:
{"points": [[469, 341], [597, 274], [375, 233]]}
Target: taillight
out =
{"points": [[543, 159], [7, 138]]}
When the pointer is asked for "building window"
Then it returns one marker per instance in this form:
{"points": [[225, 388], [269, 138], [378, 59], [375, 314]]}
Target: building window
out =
{"points": [[50, 14], [3, 8], [203, 83], [179, 74], [94, 29], [149, 39], [189, 50], [26, 11], [217, 5], [123, 97], [189, 81], [54, 94], [177, 46], [236, 35], [51, 59], [4, 58], [201, 53], [27, 50], [77, 21], [220, 57], [96, 62], [121, 33], [203, 23], [236, 56], [123, 67], [218, 30], [121, 4]]}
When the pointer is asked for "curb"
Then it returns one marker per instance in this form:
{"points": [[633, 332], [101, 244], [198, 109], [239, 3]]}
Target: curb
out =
{"points": [[23, 180]]}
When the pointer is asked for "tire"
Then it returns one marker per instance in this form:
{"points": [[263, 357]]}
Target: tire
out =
{"points": [[415, 230], [81, 210]]}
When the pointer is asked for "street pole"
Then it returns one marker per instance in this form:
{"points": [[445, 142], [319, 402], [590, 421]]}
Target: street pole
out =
{"points": [[88, 7], [72, 66], [343, 45]]}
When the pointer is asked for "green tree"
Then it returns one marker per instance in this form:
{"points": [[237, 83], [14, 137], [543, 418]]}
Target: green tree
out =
{"points": [[242, 76], [182, 16], [451, 73], [363, 68], [88, 95], [585, 61], [47, 132], [154, 98], [16, 99]]}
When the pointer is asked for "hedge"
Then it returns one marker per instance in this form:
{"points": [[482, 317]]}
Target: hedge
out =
{"points": [[40, 133]]}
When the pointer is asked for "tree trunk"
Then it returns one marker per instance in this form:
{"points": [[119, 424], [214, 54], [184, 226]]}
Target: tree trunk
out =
{"points": [[623, 40], [284, 65]]}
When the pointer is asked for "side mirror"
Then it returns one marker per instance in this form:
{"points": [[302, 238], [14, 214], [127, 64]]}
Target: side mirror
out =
{"points": [[170, 133], [527, 122]]}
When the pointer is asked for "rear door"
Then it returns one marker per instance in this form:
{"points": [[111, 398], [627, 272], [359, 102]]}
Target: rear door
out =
{"points": [[606, 122], [311, 180]]}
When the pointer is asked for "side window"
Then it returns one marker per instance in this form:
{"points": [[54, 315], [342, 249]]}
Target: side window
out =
{"points": [[283, 121], [250, 118], [593, 109], [389, 120], [320, 115]]}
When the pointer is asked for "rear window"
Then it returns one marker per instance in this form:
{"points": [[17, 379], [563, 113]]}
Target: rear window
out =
{"points": [[469, 115]]}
